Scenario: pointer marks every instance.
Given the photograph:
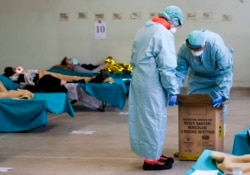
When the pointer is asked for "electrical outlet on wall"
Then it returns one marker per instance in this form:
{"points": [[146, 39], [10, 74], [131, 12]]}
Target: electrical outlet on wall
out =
{"points": [[117, 16], [82, 15], [226, 17], [207, 15], [135, 15], [99, 16], [63, 16], [192, 16], [153, 14]]}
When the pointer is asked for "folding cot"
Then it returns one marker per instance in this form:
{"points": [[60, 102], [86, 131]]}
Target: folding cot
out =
{"points": [[18, 115], [113, 94]]}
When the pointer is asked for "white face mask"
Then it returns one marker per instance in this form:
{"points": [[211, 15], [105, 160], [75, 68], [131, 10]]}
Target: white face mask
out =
{"points": [[173, 30], [197, 53], [19, 70]]}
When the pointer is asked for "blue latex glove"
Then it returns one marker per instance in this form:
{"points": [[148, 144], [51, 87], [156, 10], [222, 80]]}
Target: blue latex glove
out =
{"points": [[217, 100], [172, 100]]}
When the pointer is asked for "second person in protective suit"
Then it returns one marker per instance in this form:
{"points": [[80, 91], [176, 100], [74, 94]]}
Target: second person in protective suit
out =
{"points": [[208, 65], [153, 87]]}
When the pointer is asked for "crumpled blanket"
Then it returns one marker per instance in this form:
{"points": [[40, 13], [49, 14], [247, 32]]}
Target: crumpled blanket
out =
{"points": [[227, 162], [15, 94]]}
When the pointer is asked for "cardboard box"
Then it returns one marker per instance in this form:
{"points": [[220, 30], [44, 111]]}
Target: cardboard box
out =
{"points": [[200, 126]]}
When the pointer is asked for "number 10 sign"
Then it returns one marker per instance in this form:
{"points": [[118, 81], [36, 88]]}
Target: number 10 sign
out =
{"points": [[100, 30]]}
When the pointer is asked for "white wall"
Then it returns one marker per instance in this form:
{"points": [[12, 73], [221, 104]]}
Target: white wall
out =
{"points": [[32, 35]]}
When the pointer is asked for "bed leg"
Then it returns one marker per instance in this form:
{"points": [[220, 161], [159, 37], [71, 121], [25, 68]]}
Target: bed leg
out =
{"points": [[102, 107]]}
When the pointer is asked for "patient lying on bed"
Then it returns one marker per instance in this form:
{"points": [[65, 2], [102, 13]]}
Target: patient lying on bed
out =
{"points": [[39, 80], [44, 81], [73, 65]]}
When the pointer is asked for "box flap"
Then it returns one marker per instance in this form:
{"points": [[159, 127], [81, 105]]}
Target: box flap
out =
{"points": [[196, 98]]}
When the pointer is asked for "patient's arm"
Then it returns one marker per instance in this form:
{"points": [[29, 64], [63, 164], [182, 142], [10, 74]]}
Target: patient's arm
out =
{"points": [[67, 78], [226, 162], [17, 94]]}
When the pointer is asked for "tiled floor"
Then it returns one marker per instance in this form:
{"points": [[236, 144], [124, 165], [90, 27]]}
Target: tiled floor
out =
{"points": [[97, 143]]}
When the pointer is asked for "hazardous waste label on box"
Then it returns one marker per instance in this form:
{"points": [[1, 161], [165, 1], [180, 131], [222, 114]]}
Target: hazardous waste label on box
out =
{"points": [[200, 127]]}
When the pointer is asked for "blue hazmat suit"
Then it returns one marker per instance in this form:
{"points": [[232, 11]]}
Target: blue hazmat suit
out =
{"points": [[153, 79], [211, 73]]}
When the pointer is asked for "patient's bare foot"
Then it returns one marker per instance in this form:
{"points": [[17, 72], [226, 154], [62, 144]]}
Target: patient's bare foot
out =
{"points": [[63, 82], [108, 80]]}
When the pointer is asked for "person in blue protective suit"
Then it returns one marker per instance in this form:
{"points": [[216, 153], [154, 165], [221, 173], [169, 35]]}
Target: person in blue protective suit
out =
{"points": [[153, 87], [208, 65]]}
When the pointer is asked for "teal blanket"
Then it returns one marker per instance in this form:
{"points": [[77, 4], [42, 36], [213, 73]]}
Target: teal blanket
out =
{"points": [[21, 115], [113, 94], [241, 144], [204, 163]]}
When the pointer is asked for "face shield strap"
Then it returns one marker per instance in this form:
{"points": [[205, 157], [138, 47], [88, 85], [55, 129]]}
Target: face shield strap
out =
{"points": [[193, 47], [176, 22]]}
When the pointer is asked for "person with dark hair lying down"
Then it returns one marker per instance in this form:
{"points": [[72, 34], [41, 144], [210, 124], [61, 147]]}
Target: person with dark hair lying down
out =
{"points": [[74, 65], [39, 80], [44, 81]]}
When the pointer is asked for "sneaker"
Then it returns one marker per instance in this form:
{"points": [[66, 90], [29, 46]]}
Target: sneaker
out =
{"points": [[167, 160], [156, 165]]}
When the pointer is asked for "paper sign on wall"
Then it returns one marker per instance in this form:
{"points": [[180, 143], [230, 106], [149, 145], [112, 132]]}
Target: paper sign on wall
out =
{"points": [[100, 30]]}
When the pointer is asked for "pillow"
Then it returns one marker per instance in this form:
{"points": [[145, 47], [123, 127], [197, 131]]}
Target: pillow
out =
{"points": [[8, 83]]}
